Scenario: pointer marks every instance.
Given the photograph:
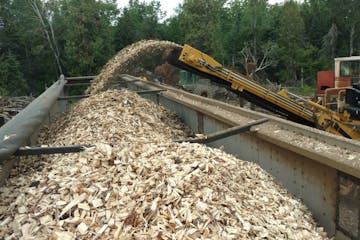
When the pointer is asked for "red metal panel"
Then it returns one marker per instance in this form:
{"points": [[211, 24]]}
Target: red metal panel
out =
{"points": [[343, 82], [325, 79]]}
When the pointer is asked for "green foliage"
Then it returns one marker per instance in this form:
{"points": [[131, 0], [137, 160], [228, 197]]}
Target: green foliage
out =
{"points": [[328, 48], [11, 78], [201, 21], [23, 36], [256, 23], [173, 31], [307, 90], [232, 36], [140, 20], [289, 41], [346, 16], [309, 63], [87, 34], [317, 19]]}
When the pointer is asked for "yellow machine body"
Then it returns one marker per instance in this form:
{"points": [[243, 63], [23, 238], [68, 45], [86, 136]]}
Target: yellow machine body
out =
{"points": [[307, 111]]}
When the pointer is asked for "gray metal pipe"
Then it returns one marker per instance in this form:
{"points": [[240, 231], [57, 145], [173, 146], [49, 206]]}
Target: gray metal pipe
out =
{"points": [[19, 129]]}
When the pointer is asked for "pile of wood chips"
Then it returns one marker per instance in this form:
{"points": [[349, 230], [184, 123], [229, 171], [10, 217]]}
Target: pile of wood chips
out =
{"points": [[136, 183], [126, 60]]}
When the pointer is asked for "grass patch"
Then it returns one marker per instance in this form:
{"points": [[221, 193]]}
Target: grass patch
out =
{"points": [[305, 91]]}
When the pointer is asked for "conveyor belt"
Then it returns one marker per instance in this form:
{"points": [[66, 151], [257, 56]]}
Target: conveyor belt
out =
{"points": [[173, 58]]}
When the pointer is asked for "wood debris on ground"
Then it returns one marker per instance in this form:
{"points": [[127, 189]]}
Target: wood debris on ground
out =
{"points": [[136, 183], [10, 106], [126, 60]]}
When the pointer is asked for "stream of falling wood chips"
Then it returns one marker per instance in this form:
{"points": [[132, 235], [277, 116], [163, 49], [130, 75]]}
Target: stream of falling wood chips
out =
{"points": [[136, 183]]}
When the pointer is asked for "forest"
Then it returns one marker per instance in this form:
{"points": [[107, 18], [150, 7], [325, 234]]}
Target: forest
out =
{"points": [[289, 42]]}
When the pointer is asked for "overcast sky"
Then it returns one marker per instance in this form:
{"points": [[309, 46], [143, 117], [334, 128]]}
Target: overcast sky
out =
{"points": [[169, 5]]}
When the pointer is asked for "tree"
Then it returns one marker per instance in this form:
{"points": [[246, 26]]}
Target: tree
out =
{"points": [[87, 34], [328, 49], [347, 18], [233, 37], [40, 12], [172, 30], [43, 37], [317, 19], [11, 78], [263, 61], [140, 20], [23, 37], [256, 24], [200, 19], [291, 41]]}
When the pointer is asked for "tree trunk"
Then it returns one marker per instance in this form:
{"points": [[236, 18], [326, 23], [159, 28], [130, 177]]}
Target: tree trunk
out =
{"points": [[351, 43], [52, 44]]}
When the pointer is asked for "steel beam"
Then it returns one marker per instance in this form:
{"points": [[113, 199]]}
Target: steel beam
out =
{"points": [[77, 84], [73, 97], [81, 78], [225, 133], [150, 91], [50, 150]]}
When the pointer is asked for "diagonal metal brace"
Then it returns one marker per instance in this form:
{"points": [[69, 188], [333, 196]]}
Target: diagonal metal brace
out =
{"points": [[72, 97], [50, 150], [77, 84], [225, 133], [150, 91]]}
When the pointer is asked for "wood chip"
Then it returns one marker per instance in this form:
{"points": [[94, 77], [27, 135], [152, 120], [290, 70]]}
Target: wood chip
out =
{"points": [[22, 210], [61, 203], [73, 203], [138, 184], [84, 206], [82, 228], [126, 60], [62, 235], [102, 229], [6, 221], [97, 203], [46, 219]]}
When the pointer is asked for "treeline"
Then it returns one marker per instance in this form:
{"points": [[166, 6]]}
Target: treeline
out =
{"points": [[289, 42]]}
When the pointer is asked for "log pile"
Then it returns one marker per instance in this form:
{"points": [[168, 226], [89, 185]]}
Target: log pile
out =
{"points": [[136, 183], [126, 60], [10, 106]]}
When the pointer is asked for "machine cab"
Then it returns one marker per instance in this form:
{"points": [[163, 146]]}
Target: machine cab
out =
{"points": [[347, 71], [339, 90], [347, 82]]}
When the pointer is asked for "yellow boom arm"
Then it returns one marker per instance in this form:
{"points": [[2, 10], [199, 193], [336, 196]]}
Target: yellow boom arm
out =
{"points": [[308, 112]]}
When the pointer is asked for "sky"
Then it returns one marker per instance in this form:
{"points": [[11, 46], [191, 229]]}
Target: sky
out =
{"points": [[169, 5]]}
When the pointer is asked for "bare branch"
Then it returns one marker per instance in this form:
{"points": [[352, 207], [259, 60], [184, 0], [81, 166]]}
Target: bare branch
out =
{"points": [[266, 59], [51, 41]]}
